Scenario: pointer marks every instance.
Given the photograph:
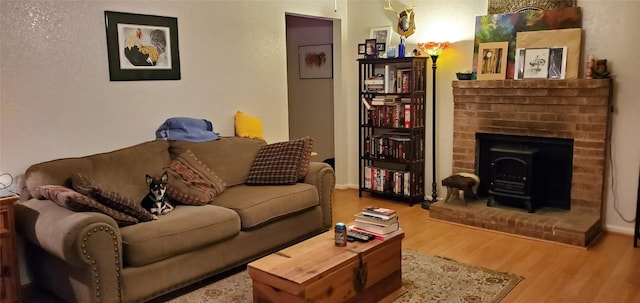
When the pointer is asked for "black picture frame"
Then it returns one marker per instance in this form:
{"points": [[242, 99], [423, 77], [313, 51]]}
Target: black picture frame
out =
{"points": [[142, 47], [381, 47], [370, 48], [362, 48]]}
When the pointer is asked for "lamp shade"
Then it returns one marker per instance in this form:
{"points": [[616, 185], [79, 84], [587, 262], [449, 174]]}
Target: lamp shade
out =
{"points": [[433, 48]]}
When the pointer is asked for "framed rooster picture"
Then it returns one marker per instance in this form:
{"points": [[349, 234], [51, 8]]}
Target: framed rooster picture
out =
{"points": [[142, 47]]}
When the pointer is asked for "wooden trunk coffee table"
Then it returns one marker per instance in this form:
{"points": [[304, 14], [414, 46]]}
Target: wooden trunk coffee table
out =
{"points": [[316, 270]]}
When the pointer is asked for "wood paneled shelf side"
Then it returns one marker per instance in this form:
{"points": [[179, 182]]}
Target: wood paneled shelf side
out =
{"points": [[10, 272]]}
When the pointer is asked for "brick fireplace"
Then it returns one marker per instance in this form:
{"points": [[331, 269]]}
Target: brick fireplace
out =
{"points": [[565, 109]]}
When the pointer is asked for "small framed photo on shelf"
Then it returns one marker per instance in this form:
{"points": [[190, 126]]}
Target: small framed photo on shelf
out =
{"points": [[492, 61], [381, 47], [370, 48], [536, 63], [362, 49]]}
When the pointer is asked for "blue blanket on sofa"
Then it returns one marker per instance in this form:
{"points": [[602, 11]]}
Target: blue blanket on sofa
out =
{"points": [[187, 129]]}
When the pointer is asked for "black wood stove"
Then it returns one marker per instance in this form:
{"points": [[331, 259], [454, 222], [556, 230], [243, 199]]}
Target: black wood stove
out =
{"points": [[511, 178]]}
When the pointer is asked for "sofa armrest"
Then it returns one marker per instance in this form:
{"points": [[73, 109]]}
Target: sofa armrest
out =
{"points": [[87, 241], [322, 176]]}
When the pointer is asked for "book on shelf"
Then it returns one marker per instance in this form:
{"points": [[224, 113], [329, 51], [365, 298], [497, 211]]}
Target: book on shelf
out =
{"points": [[366, 103], [375, 84], [377, 100], [390, 80], [359, 217], [380, 237], [379, 212], [374, 81], [377, 229]]}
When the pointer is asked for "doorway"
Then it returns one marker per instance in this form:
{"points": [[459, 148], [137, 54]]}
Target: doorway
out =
{"points": [[311, 100]]}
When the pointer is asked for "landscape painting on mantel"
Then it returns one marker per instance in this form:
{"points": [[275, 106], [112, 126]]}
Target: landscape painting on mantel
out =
{"points": [[504, 27]]}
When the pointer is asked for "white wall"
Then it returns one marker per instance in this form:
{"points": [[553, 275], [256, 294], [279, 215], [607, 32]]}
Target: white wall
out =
{"points": [[56, 99], [611, 30]]}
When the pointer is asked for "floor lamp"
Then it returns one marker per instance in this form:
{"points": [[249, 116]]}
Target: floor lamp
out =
{"points": [[433, 49]]}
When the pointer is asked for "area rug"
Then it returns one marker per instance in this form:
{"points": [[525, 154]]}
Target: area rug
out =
{"points": [[426, 278]]}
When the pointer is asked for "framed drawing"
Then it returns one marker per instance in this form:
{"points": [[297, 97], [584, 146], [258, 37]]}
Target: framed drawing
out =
{"points": [[536, 63], [492, 61], [316, 61], [142, 47]]}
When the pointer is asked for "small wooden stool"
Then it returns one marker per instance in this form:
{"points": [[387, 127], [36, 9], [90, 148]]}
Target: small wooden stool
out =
{"points": [[465, 182]]}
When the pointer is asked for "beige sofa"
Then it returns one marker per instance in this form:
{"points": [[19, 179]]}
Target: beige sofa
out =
{"points": [[87, 257]]}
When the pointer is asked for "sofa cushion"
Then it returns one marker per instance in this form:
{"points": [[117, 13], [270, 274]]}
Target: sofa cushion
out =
{"points": [[248, 126], [111, 199], [73, 200], [229, 157], [306, 157], [277, 163], [184, 229], [122, 170], [192, 182], [258, 205]]}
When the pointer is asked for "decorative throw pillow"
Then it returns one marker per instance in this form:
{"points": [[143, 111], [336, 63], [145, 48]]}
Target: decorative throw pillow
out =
{"points": [[277, 164], [248, 126], [86, 186], [76, 201], [191, 181], [306, 157]]}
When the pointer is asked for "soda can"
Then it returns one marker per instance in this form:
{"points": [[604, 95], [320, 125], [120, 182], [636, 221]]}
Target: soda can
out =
{"points": [[341, 234]]}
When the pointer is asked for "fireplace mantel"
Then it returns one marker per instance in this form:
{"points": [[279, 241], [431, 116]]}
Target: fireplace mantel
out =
{"points": [[575, 109], [533, 83]]}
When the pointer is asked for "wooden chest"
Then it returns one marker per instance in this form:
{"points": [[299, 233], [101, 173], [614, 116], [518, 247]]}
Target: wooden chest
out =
{"points": [[316, 270]]}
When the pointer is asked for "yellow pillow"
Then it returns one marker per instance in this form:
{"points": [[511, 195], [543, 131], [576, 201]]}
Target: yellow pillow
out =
{"points": [[248, 126]]}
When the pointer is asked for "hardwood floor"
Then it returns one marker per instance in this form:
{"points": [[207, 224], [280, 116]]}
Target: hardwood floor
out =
{"points": [[609, 271]]}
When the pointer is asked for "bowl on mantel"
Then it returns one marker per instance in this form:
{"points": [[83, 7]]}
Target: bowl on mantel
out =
{"points": [[464, 76]]}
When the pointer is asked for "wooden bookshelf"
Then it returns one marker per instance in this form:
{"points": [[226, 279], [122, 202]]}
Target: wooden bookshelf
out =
{"points": [[392, 118]]}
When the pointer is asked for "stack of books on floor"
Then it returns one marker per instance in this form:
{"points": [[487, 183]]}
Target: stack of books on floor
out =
{"points": [[380, 222]]}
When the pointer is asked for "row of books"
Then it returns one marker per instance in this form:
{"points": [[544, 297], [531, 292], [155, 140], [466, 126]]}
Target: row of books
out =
{"points": [[392, 81], [387, 180], [387, 147], [377, 221], [396, 114]]}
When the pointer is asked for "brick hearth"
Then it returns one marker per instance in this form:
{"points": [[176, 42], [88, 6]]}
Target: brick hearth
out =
{"points": [[571, 109]]}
